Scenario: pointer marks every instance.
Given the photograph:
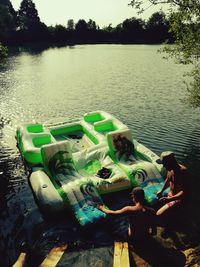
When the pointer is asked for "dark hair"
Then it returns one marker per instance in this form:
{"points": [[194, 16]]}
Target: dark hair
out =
{"points": [[138, 194]]}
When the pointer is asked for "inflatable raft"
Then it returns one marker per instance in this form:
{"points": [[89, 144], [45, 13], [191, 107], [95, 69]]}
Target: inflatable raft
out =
{"points": [[73, 163]]}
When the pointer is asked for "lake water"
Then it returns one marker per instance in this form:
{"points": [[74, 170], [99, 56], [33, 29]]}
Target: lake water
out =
{"points": [[132, 82]]}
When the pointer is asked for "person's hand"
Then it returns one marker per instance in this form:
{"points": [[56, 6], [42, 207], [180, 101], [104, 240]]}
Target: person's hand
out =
{"points": [[164, 199], [159, 194], [100, 206]]}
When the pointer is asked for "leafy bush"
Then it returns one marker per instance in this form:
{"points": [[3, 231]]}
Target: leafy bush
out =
{"points": [[3, 51]]}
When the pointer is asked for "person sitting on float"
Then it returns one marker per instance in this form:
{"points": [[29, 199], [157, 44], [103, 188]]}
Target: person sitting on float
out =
{"points": [[176, 178]]}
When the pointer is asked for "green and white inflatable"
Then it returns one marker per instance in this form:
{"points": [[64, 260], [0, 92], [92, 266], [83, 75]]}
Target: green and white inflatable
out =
{"points": [[73, 163]]}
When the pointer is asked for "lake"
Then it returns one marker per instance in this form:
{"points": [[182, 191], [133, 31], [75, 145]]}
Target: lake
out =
{"points": [[132, 82]]}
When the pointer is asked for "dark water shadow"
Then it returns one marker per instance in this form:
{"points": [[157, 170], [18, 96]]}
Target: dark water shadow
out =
{"points": [[37, 48], [181, 227], [155, 254], [85, 245], [79, 256]]}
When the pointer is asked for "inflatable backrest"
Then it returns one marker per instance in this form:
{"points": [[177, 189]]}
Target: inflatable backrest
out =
{"points": [[57, 156], [119, 142]]}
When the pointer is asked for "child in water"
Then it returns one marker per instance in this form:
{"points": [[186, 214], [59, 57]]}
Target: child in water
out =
{"points": [[141, 218]]}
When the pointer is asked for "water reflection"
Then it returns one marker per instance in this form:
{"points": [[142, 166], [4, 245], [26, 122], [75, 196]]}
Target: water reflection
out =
{"points": [[36, 49]]}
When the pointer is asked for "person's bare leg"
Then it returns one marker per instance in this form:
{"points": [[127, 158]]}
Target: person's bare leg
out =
{"points": [[21, 260], [162, 209], [129, 231]]}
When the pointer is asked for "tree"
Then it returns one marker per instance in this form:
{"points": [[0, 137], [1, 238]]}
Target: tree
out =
{"points": [[91, 25], [81, 29], [7, 20], [28, 15], [70, 24], [60, 33], [184, 19], [133, 30], [157, 28], [81, 26], [30, 26]]}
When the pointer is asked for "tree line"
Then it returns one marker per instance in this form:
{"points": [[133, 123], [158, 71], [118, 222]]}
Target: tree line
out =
{"points": [[24, 26]]}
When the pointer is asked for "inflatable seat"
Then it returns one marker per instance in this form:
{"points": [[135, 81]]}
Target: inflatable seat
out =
{"points": [[58, 157], [83, 198], [89, 162], [137, 169], [31, 138], [121, 146], [78, 190]]}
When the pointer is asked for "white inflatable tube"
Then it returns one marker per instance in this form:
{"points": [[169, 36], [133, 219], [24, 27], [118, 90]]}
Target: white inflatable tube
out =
{"points": [[45, 191]]}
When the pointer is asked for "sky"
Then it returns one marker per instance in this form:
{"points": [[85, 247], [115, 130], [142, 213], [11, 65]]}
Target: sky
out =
{"points": [[103, 12]]}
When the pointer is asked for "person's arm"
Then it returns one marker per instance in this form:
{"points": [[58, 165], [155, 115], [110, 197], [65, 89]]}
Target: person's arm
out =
{"points": [[175, 197], [166, 184], [124, 210]]}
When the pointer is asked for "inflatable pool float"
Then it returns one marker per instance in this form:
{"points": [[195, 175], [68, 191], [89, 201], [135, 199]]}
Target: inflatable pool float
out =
{"points": [[73, 163]]}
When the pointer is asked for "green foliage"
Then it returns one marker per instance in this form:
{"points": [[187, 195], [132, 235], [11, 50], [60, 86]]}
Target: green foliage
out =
{"points": [[25, 26], [133, 24], [60, 33], [91, 25], [30, 27], [28, 15], [70, 24], [194, 87], [3, 51], [81, 26], [133, 30], [184, 19], [136, 30], [157, 20], [158, 28], [7, 22]]}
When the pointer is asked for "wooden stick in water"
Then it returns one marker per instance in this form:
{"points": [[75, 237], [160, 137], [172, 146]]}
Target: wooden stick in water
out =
{"points": [[54, 256], [21, 260], [121, 255]]}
